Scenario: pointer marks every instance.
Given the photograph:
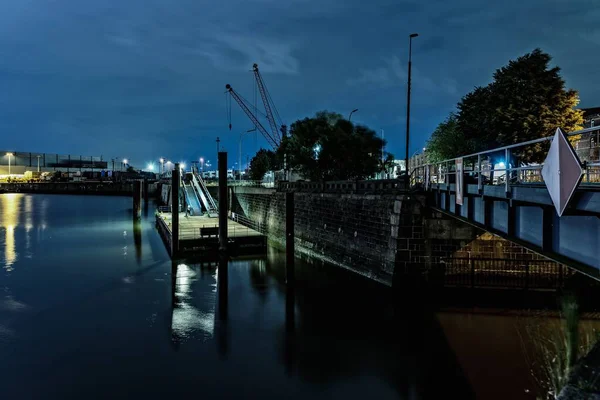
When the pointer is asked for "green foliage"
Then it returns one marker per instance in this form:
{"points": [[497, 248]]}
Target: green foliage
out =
{"points": [[447, 141], [262, 162], [329, 147], [526, 100]]}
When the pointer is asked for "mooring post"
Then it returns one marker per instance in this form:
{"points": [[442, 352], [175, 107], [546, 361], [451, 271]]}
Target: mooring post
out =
{"points": [[289, 238], [222, 201], [175, 211], [146, 195], [137, 199]]}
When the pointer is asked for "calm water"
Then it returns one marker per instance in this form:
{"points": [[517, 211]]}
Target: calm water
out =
{"points": [[92, 307]]}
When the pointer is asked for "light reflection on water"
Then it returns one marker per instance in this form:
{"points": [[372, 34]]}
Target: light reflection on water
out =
{"points": [[10, 205], [192, 317]]}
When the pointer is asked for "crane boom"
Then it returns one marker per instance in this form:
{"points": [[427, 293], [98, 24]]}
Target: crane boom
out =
{"points": [[266, 101], [273, 141]]}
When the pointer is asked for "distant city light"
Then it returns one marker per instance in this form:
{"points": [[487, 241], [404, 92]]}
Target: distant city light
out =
{"points": [[125, 161], [501, 165]]}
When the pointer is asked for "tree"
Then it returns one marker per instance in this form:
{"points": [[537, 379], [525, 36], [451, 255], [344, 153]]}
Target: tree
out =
{"points": [[260, 164], [329, 147], [526, 100], [387, 164], [447, 141]]}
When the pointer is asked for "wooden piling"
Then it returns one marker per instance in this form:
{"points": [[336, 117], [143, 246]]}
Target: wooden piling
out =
{"points": [[223, 201], [289, 238], [175, 211]]}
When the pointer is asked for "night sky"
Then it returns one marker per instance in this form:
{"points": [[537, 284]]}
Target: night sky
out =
{"points": [[145, 79]]}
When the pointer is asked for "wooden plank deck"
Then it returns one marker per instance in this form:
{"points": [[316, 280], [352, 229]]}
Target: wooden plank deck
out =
{"points": [[240, 237], [189, 227]]}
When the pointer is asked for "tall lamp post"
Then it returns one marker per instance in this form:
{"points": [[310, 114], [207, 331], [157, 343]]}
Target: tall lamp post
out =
{"points": [[202, 164], [240, 153], [162, 165], [38, 157], [411, 36], [352, 112], [9, 155]]}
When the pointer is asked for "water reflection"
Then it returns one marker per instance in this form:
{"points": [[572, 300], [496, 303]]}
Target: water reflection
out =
{"points": [[193, 303], [258, 278], [137, 240], [223, 307], [10, 207]]}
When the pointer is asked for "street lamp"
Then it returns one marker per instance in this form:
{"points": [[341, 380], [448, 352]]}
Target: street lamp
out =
{"points": [[162, 165], [124, 163], [410, 38], [240, 153], [150, 167], [202, 164], [9, 155], [352, 112], [38, 157]]}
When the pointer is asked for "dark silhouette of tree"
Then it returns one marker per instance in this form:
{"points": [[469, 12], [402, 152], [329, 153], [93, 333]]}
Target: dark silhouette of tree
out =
{"points": [[329, 147], [261, 163]]}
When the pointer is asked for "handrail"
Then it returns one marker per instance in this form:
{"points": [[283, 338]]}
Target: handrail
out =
{"points": [[512, 146], [588, 164]]}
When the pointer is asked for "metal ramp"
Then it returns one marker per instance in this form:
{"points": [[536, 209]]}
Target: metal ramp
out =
{"points": [[202, 192], [191, 198]]}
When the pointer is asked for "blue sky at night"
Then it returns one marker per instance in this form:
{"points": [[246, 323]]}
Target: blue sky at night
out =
{"points": [[145, 79]]}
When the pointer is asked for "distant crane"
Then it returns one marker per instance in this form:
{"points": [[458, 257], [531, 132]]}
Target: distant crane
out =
{"points": [[272, 115], [269, 104], [246, 107]]}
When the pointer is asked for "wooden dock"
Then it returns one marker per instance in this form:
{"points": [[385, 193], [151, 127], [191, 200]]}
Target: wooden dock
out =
{"points": [[199, 236]]}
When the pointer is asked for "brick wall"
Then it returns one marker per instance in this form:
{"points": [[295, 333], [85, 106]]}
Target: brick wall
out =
{"points": [[358, 232], [374, 235]]}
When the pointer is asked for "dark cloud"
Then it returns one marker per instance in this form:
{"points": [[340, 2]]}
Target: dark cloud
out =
{"points": [[145, 79]]}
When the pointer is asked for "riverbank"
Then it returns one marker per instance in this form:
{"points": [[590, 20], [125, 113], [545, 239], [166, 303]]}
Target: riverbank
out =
{"points": [[94, 188]]}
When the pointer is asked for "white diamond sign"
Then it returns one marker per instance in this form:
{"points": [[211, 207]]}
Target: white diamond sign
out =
{"points": [[562, 171]]}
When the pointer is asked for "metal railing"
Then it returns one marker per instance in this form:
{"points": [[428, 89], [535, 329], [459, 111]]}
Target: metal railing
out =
{"points": [[478, 168], [247, 222], [504, 273], [242, 183]]}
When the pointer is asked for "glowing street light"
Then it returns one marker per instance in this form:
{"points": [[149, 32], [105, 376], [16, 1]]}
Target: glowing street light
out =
{"points": [[202, 164], [162, 165], [182, 166], [150, 167]]}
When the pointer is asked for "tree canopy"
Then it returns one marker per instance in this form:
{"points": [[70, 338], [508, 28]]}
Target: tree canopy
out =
{"points": [[526, 100], [262, 162], [329, 147]]}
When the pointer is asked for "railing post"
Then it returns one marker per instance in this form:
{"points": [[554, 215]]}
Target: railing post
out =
{"points": [[479, 175], [446, 179], [222, 166], [289, 237], [506, 171]]}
